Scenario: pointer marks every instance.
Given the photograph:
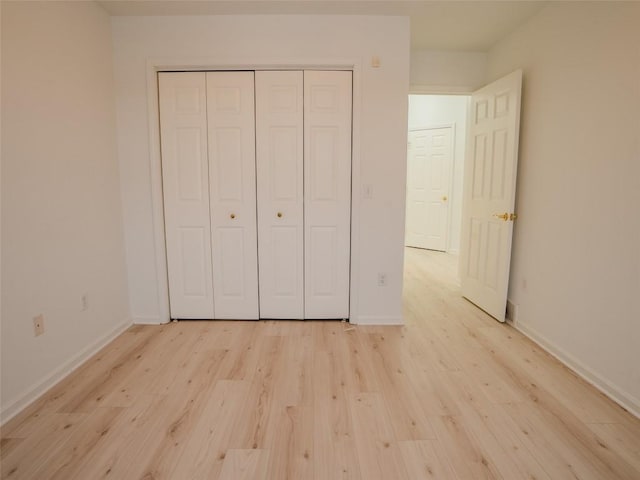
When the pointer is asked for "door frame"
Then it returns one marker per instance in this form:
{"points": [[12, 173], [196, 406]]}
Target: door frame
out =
{"points": [[452, 126], [153, 66]]}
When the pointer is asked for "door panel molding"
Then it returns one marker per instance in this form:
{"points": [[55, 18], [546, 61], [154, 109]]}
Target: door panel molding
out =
{"points": [[327, 193], [279, 166], [187, 226], [232, 194]]}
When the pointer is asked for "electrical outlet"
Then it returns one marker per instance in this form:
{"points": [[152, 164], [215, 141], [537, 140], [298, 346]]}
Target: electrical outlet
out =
{"points": [[38, 325], [85, 301], [382, 279]]}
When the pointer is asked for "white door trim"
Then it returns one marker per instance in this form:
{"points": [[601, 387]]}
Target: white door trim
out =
{"points": [[155, 169], [440, 90], [452, 126]]}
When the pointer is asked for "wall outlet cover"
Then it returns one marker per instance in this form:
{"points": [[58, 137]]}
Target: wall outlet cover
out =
{"points": [[38, 325]]}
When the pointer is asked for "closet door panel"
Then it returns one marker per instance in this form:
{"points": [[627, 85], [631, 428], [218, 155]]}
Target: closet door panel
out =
{"points": [[279, 149], [327, 192], [232, 184], [185, 178]]}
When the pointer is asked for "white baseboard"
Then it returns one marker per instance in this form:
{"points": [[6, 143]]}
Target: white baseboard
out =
{"points": [[149, 321], [615, 393], [377, 320], [361, 320], [29, 396]]}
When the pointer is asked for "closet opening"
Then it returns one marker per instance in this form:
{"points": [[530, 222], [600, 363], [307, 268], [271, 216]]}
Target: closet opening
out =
{"points": [[256, 185]]}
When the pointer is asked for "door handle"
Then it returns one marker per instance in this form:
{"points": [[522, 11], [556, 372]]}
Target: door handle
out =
{"points": [[279, 214], [232, 216], [444, 198], [506, 216]]}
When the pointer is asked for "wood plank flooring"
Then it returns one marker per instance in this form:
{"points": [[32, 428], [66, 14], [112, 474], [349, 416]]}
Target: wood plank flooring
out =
{"points": [[451, 395]]}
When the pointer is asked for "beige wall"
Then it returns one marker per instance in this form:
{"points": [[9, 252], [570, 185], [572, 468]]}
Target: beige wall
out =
{"points": [[576, 255], [61, 211], [447, 72], [380, 103]]}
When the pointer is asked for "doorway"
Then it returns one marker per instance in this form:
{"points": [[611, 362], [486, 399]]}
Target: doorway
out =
{"points": [[435, 166]]}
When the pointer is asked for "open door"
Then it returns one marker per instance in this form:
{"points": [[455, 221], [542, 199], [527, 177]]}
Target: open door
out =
{"points": [[489, 194]]}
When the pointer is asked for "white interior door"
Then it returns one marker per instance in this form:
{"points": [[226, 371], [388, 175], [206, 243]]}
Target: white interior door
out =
{"points": [[430, 159], [489, 194], [232, 191], [327, 192], [279, 145], [185, 179]]}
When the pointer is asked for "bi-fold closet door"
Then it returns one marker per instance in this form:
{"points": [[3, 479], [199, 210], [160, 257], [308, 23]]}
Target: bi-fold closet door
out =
{"points": [[257, 192], [207, 129]]}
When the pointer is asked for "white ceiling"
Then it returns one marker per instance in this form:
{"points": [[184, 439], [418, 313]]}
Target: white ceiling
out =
{"points": [[435, 25]]}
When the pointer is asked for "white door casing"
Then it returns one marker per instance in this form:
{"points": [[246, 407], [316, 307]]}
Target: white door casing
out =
{"points": [[429, 166], [183, 133], [489, 193], [279, 147], [327, 192], [232, 192]]}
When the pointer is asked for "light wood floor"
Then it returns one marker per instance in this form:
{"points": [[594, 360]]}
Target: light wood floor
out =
{"points": [[452, 395]]}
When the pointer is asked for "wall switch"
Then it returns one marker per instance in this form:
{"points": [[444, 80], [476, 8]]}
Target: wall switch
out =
{"points": [[367, 190], [382, 279], [38, 325], [85, 301]]}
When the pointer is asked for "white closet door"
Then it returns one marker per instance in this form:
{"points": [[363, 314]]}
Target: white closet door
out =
{"points": [[327, 192], [232, 187], [279, 137], [185, 177]]}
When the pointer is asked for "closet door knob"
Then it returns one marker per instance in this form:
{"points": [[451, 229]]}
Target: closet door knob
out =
{"points": [[279, 214], [233, 215]]}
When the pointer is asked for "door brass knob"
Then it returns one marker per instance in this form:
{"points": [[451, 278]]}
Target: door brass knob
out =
{"points": [[513, 216], [233, 215], [444, 198], [279, 214], [504, 216]]}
